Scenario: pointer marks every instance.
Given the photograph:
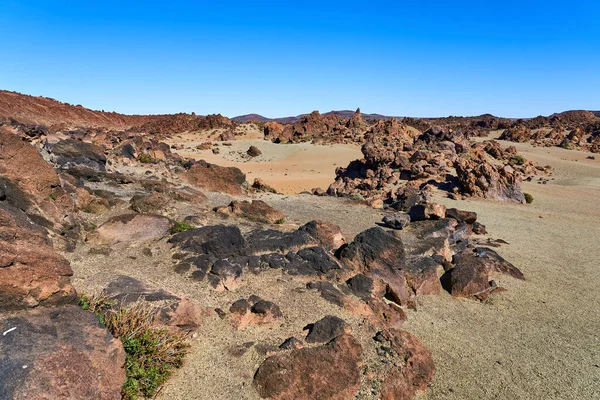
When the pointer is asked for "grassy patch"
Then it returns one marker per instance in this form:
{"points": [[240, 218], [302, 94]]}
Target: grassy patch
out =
{"points": [[180, 227], [518, 159], [357, 196], [280, 221], [145, 158], [152, 352], [52, 196], [528, 198]]}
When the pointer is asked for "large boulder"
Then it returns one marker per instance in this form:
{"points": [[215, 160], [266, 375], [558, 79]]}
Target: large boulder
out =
{"points": [[70, 153], [330, 371], [59, 353], [32, 273], [41, 195], [415, 370], [215, 178], [257, 211], [130, 228], [327, 234]]}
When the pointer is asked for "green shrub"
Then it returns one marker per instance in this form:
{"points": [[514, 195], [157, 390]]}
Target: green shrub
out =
{"points": [[528, 198], [145, 158], [357, 196], [280, 221], [180, 227], [52, 196], [518, 159]]}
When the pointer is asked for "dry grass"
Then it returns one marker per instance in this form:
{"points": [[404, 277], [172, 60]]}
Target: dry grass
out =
{"points": [[152, 351]]}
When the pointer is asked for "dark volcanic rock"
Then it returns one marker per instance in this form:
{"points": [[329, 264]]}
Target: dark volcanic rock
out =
{"points": [[330, 371], [461, 216], [75, 153], [396, 221], [253, 151], [219, 241], [326, 329], [59, 353]]}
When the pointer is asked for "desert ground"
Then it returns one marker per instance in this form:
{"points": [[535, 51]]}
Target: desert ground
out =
{"points": [[289, 168], [539, 339]]}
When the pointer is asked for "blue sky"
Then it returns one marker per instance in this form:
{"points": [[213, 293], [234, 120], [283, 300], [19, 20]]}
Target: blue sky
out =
{"points": [[280, 58]]}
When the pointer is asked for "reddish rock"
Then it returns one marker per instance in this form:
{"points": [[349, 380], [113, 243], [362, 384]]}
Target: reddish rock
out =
{"points": [[327, 234], [253, 151], [130, 228], [257, 211], [254, 311], [330, 371], [216, 178], [152, 203], [31, 272], [415, 370], [59, 353]]}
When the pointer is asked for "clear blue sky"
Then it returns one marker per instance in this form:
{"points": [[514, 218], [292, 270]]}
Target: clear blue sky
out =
{"points": [[280, 58]]}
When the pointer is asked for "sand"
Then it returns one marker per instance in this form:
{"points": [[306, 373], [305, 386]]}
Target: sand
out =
{"points": [[538, 340], [289, 168]]}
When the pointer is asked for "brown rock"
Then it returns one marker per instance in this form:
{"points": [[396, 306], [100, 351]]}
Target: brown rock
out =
{"points": [[59, 353], [257, 211], [327, 234], [416, 370], [253, 151], [330, 371], [216, 178], [130, 228], [149, 203]]}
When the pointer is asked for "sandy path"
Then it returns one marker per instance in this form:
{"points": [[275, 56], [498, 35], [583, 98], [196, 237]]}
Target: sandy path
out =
{"points": [[541, 339], [289, 168]]}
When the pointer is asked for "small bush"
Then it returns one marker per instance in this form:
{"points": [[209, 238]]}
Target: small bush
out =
{"points": [[151, 352], [357, 196], [52, 196], [280, 221], [518, 159], [145, 158], [528, 198], [180, 227]]}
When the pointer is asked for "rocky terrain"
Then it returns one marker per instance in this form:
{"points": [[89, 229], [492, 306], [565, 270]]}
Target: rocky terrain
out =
{"points": [[250, 293]]}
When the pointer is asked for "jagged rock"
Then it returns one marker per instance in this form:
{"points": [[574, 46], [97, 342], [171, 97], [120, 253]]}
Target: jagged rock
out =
{"points": [[257, 211], [326, 329], [468, 217], [330, 371], [219, 241], [291, 344], [428, 210], [31, 272], [59, 353], [327, 234], [376, 253], [416, 368], [361, 286], [130, 228], [253, 151], [215, 178], [396, 221], [472, 271], [254, 311], [70, 153], [173, 311], [149, 203], [481, 179]]}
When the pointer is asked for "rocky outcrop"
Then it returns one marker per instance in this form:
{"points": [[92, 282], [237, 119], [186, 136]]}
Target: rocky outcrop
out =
{"points": [[257, 211], [126, 228], [59, 353], [330, 371], [215, 178]]}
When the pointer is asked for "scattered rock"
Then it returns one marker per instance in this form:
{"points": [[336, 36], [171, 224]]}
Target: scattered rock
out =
{"points": [[326, 329]]}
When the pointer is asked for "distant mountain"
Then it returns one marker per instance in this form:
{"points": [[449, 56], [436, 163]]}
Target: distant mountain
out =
{"points": [[292, 119], [596, 113]]}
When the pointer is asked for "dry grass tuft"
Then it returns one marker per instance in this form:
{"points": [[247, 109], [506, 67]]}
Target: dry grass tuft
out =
{"points": [[152, 351]]}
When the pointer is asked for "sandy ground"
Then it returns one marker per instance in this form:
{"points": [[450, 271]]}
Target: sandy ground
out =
{"points": [[289, 168], [538, 340], [541, 339]]}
